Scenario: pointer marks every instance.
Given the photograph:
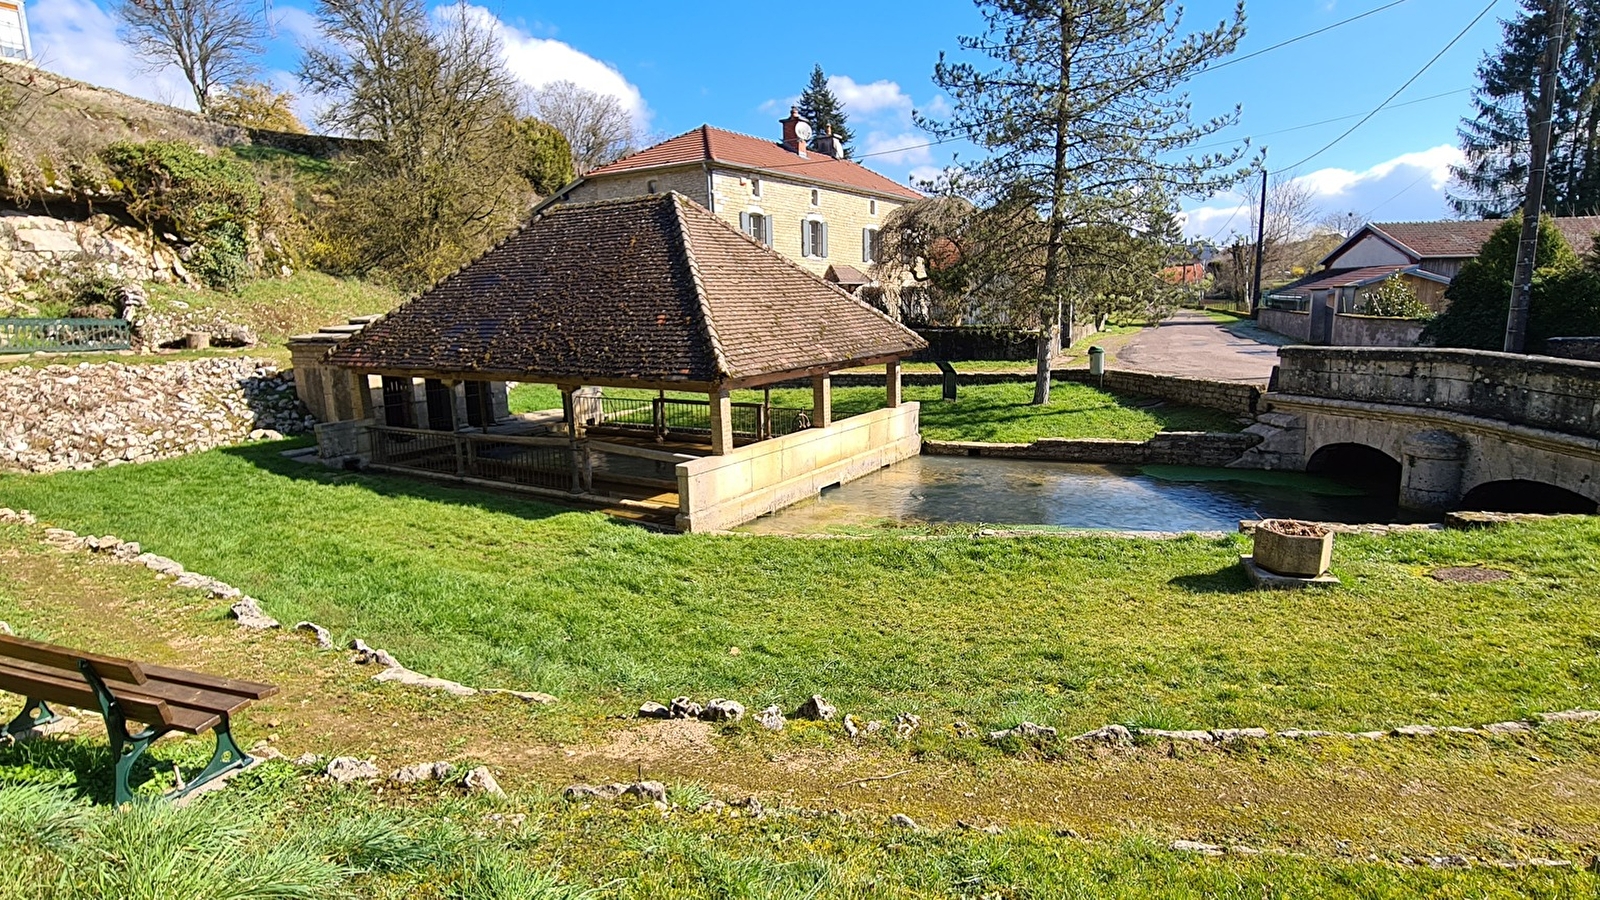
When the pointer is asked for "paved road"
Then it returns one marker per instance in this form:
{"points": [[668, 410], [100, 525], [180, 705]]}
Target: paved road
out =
{"points": [[1191, 344]]}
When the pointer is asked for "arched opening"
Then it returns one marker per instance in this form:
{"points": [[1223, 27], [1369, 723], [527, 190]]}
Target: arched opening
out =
{"points": [[1358, 465], [1526, 497]]}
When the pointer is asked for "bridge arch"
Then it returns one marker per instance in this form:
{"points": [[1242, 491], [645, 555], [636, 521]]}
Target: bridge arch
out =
{"points": [[1516, 495], [1356, 463]]}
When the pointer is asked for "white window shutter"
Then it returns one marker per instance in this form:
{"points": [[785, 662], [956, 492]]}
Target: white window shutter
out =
{"points": [[744, 222], [866, 245], [824, 252], [805, 238], [766, 230]]}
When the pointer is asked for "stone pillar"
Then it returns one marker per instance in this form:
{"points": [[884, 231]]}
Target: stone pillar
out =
{"points": [[458, 403], [721, 423], [821, 401], [419, 402], [1431, 465], [891, 383]]}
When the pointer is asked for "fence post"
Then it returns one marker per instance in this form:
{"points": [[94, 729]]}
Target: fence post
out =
{"points": [[658, 408]]}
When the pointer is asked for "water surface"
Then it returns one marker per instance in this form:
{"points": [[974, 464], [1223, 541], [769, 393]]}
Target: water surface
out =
{"points": [[956, 489]]}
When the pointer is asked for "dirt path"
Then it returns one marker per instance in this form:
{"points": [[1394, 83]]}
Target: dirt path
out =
{"points": [[1192, 344]]}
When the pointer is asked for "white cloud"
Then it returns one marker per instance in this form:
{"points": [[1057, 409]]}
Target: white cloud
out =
{"points": [[537, 61], [870, 100], [1410, 186], [296, 23], [78, 39], [903, 149]]}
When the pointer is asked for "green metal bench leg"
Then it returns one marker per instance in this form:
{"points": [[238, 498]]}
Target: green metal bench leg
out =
{"points": [[225, 758], [126, 746], [34, 713]]}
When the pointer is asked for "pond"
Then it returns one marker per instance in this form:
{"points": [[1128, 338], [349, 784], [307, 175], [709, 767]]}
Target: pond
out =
{"points": [[955, 489]]}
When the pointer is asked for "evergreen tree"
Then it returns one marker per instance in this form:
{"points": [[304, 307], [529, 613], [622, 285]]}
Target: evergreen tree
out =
{"points": [[1480, 294], [819, 107], [1496, 137], [1085, 120]]}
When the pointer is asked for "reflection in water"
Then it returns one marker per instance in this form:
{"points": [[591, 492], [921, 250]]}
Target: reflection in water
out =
{"points": [[1026, 492]]}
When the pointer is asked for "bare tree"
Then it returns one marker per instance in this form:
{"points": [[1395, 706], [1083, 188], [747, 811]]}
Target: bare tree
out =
{"points": [[598, 126], [444, 180], [212, 42], [1292, 217]]}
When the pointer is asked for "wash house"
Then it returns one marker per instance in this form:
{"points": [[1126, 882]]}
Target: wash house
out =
{"points": [[648, 314]]}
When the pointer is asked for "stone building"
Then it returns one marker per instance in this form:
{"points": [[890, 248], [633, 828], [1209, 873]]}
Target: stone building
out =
{"points": [[816, 208]]}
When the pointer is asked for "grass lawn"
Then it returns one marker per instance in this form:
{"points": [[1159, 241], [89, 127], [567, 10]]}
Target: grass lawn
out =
{"points": [[482, 588], [990, 412], [1074, 633]]}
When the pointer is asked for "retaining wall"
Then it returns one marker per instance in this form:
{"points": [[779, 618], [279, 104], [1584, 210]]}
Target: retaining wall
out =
{"points": [[1286, 322], [1176, 448], [92, 415], [1584, 348], [717, 492]]}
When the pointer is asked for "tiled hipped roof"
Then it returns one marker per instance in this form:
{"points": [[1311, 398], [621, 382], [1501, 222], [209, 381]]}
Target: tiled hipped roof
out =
{"points": [[649, 289], [1458, 239], [707, 144]]}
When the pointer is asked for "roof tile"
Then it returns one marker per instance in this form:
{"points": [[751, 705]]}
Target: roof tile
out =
{"points": [[650, 289]]}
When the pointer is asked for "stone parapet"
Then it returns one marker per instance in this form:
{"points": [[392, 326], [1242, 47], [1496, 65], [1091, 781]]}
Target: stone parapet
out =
{"points": [[1239, 398], [719, 492]]}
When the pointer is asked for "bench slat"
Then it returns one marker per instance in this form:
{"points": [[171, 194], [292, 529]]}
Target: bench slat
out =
{"points": [[254, 690], [188, 709], [53, 688], [109, 668]]}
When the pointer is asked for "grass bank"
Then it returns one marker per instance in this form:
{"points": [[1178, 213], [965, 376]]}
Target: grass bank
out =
{"points": [[279, 308], [987, 412], [277, 834], [1075, 632]]}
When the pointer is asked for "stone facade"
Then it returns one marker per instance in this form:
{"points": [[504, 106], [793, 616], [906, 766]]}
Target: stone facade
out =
{"points": [[92, 415], [786, 200]]}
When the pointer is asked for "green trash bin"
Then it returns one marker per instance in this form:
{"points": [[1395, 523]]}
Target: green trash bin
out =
{"points": [[1097, 361]]}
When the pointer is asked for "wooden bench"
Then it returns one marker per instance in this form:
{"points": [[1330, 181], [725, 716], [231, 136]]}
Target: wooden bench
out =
{"points": [[162, 699]]}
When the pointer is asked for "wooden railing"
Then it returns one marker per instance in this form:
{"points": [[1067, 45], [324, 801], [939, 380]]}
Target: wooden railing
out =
{"points": [[664, 418], [554, 463]]}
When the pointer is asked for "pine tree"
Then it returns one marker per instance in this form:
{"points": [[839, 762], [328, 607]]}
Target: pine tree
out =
{"points": [[1495, 138], [1085, 120], [819, 107]]}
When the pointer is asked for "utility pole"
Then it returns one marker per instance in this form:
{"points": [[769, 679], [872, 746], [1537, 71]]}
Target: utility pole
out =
{"points": [[1261, 237], [1533, 203]]}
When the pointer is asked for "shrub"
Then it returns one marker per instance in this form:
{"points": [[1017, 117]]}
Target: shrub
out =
{"points": [[213, 201], [1395, 299]]}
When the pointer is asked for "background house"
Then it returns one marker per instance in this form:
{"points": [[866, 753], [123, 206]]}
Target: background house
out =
{"points": [[816, 208], [1324, 307]]}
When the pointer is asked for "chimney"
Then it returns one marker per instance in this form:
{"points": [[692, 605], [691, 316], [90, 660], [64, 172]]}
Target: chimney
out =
{"points": [[792, 128], [829, 145]]}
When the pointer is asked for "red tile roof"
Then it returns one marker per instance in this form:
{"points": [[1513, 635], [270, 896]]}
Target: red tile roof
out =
{"points": [[1339, 278], [648, 289], [707, 144], [1451, 239]]}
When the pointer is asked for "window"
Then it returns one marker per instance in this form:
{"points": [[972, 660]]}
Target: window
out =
{"points": [[757, 225], [399, 409], [755, 187], [440, 403], [872, 207], [871, 245], [816, 197], [650, 185], [814, 238]]}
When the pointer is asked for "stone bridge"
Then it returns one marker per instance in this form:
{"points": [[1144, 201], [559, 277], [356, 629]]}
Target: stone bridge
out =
{"points": [[1458, 428]]}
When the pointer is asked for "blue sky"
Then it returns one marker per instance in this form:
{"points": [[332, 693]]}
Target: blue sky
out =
{"points": [[738, 65]]}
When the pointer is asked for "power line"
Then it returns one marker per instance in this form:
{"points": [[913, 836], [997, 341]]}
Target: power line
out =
{"points": [[1223, 64], [1239, 59], [1263, 134], [1409, 81]]}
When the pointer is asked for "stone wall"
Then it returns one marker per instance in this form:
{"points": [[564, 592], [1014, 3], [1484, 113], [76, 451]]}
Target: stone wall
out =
{"points": [[33, 244], [1584, 348], [1286, 322], [1228, 396], [718, 492], [1175, 448], [1351, 330], [92, 415], [1535, 391]]}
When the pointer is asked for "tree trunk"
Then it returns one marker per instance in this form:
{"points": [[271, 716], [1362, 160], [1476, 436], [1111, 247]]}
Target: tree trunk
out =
{"points": [[1041, 375], [1050, 302]]}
